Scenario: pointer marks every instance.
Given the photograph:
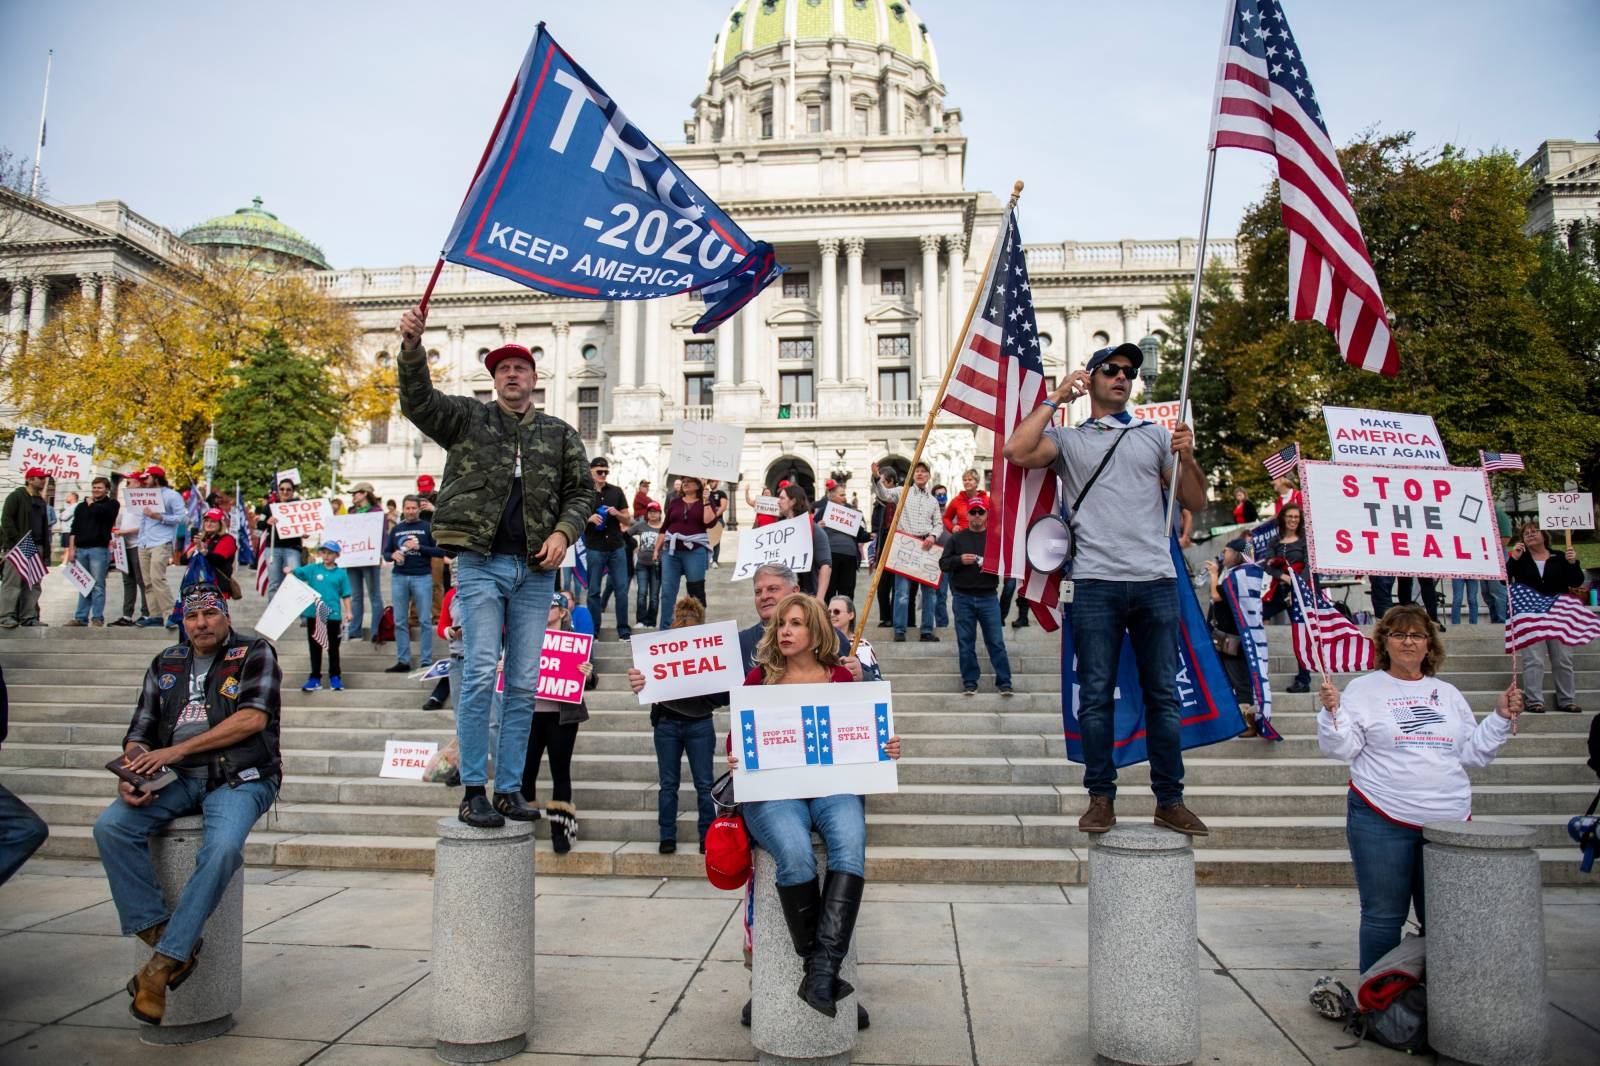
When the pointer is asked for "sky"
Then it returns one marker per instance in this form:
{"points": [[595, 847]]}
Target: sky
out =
{"points": [[359, 123]]}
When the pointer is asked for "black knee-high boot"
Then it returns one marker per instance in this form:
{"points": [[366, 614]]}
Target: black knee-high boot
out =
{"points": [[801, 905], [697, 589], [841, 902]]}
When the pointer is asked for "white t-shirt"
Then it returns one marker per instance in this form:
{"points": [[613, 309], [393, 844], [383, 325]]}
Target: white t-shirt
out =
{"points": [[1409, 744]]}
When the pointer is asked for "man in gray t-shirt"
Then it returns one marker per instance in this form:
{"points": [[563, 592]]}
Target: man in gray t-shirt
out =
{"points": [[1123, 576]]}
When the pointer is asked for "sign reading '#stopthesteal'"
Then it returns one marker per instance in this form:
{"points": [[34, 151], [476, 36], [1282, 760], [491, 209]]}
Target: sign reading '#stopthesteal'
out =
{"points": [[63, 456], [574, 200], [804, 741]]}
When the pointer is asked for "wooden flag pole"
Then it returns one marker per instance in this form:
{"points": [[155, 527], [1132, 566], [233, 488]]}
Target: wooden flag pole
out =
{"points": [[1516, 678], [927, 428]]}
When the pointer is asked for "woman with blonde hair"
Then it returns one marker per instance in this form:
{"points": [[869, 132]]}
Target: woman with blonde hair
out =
{"points": [[800, 647], [1409, 739]]}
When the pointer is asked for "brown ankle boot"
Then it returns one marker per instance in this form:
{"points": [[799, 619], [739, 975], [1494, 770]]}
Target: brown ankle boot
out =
{"points": [[1251, 727], [152, 935], [149, 988], [1100, 816]]}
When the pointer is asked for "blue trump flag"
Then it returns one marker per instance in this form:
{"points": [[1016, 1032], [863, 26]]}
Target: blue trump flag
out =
{"points": [[574, 200], [1207, 708]]}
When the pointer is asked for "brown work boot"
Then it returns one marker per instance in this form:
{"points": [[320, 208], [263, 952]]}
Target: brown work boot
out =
{"points": [[1100, 816], [1181, 819], [149, 988], [1251, 727], [152, 935]]}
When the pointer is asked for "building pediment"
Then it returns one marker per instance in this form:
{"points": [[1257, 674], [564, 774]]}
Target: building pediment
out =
{"points": [[893, 314], [794, 316], [589, 372]]}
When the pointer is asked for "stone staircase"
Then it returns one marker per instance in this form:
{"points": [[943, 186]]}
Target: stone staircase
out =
{"points": [[986, 791]]}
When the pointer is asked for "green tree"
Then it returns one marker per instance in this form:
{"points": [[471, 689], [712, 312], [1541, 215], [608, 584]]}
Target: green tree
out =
{"points": [[281, 413], [1209, 393], [1567, 287]]}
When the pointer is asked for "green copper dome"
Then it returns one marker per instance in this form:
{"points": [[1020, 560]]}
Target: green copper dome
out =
{"points": [[756, 24], [254, 235]]}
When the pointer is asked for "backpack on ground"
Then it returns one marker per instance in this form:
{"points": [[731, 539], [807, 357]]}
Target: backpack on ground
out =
{"points": [[384, 631], [1392, 1005]]}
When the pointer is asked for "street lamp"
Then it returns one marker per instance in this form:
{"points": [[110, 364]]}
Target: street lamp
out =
{"points": [[335, 453], [1151, 368], [208, 458], [416, 448]]}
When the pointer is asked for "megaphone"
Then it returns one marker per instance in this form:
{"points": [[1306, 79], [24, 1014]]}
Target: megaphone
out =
{"points": [[1049, 543]]}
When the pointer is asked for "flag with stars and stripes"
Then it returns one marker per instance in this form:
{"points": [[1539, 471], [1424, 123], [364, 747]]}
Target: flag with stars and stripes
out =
{"points": [[1281, 462], [319, 625], [997, 382], [1242, 589], [24, 556], [1326, 641], [1493, 461], [1264, 102], [1535, 617]]}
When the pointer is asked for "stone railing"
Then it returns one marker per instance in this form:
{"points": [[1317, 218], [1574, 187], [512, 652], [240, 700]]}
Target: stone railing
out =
{"points": [[897, 408], [1070, 257], [116, 216], [695, 412], [405, 281]]}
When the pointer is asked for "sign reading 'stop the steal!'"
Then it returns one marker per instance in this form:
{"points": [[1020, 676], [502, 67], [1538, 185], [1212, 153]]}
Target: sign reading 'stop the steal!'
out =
{"points": [[1424, 521], [690, 661], [787, 542]]}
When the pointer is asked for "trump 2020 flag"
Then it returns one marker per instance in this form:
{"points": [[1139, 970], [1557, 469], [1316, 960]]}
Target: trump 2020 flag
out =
{"points": [[574, 200], [1207, 711]]}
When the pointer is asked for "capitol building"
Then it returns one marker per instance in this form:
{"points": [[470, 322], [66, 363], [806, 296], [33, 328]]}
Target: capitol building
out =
{"points": [[823, 127]]}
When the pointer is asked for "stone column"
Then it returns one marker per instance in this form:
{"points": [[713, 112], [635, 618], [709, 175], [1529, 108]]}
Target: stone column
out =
{"points": [[89, 288], [650, 371], [18, 317], [752, 357], [724, 367], [783, 1027], [1074, 337], [855, 356], [640, 404], [482, 941], [457, 354], [627, 343], [1144, 978], [109, 284], [556, 398], [1130, 325], [1486, 961], [202, 1007], [36, 306], [932, 311], [508, 333], [955, 250], [828, 355]]}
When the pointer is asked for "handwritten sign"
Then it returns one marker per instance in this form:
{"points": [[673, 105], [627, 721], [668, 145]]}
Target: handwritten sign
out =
{"points": [[844, 519], [907, 556], [560, 661], [706, 449], [689, 661], [1424, 521], [360, 537], [787, 542], [1566, 510], [292, 475], [1383, 437], [407, 758], [63, 456], [804, 741], [80, 578], [1164, 414], [301, 518], [293, 597]]}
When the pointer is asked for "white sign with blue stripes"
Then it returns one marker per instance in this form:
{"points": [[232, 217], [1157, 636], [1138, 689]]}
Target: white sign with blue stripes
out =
{"points": [[805, 741]]}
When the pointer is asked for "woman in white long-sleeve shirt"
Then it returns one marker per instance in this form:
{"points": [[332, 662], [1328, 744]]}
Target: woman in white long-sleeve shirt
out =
{"points": [[1409, 739]]}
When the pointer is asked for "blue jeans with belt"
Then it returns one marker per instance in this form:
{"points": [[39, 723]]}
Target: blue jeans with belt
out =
{"points": [[1388, 862], [98, 562], [123, 835], [782, 828]]}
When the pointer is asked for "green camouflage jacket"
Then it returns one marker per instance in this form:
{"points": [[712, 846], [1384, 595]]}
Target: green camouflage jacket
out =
{"points": [[479, 441]]}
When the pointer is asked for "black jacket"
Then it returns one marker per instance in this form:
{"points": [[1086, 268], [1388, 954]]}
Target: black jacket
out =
{"points": [[969, 578], [1559, 575]]}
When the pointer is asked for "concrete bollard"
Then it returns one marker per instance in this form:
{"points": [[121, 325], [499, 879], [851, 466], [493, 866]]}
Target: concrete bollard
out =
{"points": [[1144, 978], [482, 941], [1486, 962], [785, 1030], [202, 1007]]}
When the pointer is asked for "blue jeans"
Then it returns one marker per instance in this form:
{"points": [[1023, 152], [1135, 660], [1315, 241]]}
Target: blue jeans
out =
{"points": [[1382, 589], [676, 738], [495, 593], [1494, 598], [1463, 588], [404, 589], [97, 561], [902, 601], [123, 833], [941, 608], [1388, 862], [686, 564], [973, 611], [366, 586], [277, 559], [1147, 611], [22, 832], [782, 828], [647, 605], [613, 564]]}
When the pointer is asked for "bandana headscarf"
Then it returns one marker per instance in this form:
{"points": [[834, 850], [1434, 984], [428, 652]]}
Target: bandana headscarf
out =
{"points": [[204, 598]]}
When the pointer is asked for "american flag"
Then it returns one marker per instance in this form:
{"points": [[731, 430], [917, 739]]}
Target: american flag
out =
{"points": [[264, 565], [319, 626], [1493, 461], [1264, 102], [1331, 642], [1281, 462], [999, 381], [1536, 617], [24, 555]]}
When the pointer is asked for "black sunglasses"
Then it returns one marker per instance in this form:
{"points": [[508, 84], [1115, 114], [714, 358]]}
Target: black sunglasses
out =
{"points": [[1111, 370], [601, 471]]}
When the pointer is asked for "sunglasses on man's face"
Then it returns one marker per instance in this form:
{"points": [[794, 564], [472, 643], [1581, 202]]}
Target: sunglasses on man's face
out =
{"points": [[602, 472], [1111, 370]]}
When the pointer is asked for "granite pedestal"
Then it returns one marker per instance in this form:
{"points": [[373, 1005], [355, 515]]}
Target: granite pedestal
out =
{"points": [[1486, 961], [1144, 980], [482, 941], [202, 1007], [784, 1028]]}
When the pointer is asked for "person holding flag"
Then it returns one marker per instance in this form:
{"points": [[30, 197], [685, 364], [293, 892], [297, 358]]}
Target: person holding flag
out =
{"points": [[23, 522]]}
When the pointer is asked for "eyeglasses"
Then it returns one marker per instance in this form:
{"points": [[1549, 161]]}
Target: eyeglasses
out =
{"points": [[1111, 370], [1409, 638], [601, 472]]}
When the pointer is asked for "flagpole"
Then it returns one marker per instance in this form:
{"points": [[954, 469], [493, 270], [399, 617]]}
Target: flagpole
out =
{"points": [[1516, 678], [927, 425], [38, 152]]}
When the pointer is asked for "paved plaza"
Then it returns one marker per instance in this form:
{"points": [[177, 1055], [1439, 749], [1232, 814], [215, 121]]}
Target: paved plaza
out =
{"points": [[635, 971]]}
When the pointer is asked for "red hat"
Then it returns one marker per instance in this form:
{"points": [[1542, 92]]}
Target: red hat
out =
{"points": [[504, 352], [783, 484], [830, 484], [34, 471], [424, 482], [154, 471], [653, 506], [727, 853], [214, 515]]}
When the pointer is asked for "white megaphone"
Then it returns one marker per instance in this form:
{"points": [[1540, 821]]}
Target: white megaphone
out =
{"points": [[1049, 543]]}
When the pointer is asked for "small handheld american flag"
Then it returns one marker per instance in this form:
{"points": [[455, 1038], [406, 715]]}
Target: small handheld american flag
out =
{"points": [[319, 627], [1493, 461], [1536, 617], [1281, 462], [24, 555], [1330, 642]]}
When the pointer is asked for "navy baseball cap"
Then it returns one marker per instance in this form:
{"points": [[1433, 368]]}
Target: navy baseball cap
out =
{"points": [[1130, 350]]}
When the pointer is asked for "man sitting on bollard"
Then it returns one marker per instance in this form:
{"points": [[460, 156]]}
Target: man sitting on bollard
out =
{"points": [[516, 494], [209, 711]]}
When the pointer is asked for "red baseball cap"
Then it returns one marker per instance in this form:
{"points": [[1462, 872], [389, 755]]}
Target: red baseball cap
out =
{"points": [[783, 484], [727, 853], [504, 352], [424, 482], [34, 471], [831, 484], [154, 471], [214, 515]]}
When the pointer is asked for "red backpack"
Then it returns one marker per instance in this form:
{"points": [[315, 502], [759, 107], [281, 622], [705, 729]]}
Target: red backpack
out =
{"points": [[384, 634]]}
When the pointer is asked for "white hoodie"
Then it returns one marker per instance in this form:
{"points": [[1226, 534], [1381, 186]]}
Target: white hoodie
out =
{"points": [[1408, 744]]}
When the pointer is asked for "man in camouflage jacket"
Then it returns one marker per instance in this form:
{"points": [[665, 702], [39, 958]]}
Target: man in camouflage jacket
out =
{"points": [[516, 493]]}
